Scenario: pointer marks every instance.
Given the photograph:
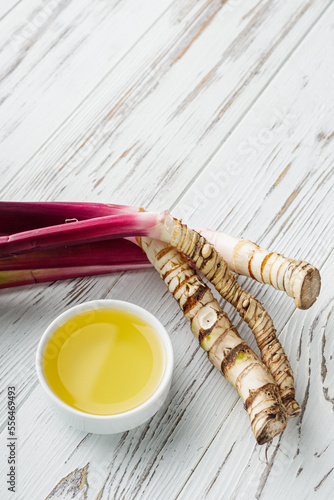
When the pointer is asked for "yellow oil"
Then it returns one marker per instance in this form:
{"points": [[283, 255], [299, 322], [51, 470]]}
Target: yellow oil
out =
{"points": [[104, 361]]}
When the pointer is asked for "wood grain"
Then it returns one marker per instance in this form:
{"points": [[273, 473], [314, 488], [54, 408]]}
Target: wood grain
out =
{"points": [[222, 111], [134, 106], [54, 54]]}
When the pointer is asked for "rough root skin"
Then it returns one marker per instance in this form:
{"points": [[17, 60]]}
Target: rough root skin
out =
{"points": [[214, 267], [217, 336], [273, 418]]}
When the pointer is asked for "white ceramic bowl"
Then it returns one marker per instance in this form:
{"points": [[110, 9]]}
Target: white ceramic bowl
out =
{"points": [[109, 424]]}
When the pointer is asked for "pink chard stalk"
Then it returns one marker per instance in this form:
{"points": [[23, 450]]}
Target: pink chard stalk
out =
{"points": [[100, 257]]}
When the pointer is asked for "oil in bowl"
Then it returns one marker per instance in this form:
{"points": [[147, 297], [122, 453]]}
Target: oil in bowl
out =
{"points": [[104, 361]]}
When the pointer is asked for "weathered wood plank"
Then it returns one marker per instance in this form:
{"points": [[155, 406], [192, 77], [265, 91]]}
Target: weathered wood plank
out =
{"points": [[162, 456], [52, 56], [143, 122], [5, 8]]}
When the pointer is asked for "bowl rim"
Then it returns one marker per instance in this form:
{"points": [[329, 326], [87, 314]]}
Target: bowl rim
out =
{"points": [[101, 304]]}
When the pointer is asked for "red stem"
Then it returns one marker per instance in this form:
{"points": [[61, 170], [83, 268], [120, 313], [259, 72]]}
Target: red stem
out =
{"points": [[9, 279], [17, 217], [70, 262], [107, 227]]}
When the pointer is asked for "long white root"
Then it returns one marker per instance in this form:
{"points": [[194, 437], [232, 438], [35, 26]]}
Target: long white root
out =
{"points": [[299, 279]]}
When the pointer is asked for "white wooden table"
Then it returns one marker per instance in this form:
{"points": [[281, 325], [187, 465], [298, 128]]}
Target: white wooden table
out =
{"points": [[221, 111]]}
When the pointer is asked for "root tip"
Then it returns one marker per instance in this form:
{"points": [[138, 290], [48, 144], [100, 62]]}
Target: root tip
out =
{"points": [[309, 289], [293, 409], [272, 428]]}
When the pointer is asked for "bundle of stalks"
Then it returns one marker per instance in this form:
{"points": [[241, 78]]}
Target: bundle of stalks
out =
{"points": [[42, 242]]}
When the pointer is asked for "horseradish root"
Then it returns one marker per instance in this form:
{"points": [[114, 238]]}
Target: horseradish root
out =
{"points": [[299, 279], [217, 336], [214, 267]]}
